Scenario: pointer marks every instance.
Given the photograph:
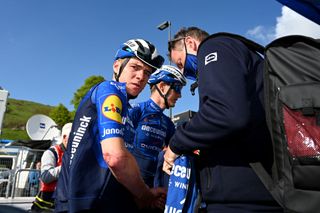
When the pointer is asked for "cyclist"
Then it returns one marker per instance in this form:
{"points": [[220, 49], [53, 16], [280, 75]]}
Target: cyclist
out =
{"points": [[153, 128], [98, 173]]}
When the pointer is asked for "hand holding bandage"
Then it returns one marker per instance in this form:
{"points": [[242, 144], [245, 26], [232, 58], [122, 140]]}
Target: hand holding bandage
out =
{"points": [[169, 158]]}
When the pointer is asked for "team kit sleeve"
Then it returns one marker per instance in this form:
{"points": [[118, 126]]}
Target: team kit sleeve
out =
{"points": [[223, 107], [111, 108]]}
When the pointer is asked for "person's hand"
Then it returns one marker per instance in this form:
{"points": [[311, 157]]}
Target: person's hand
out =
{"points": [[169, 158], [153, 198], [160, 194]]}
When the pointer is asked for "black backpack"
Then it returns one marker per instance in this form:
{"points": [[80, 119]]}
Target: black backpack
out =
{"points": [[292, 105]]}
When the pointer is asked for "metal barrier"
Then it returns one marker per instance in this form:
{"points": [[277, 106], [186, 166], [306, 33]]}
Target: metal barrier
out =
{"points": [[19, 174], [5, 182], [26, 183]]}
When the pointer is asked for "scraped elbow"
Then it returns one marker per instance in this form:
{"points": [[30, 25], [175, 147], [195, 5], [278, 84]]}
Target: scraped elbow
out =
{"points": [[116, 162]]}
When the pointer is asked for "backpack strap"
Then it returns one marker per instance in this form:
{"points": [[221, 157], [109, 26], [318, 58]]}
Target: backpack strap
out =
{"points": [[253, 46], [267, 182]]}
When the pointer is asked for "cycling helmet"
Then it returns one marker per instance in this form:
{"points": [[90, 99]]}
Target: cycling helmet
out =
{"points": [[143, 50], [168, 74], [171, 76]]}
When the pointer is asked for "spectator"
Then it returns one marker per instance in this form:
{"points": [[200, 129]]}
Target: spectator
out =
{"points": [[50, 169], [33, 180]]}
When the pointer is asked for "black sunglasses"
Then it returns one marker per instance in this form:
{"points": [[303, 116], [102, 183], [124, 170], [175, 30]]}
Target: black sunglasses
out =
{"points": [[177, 88], [172, 43]]}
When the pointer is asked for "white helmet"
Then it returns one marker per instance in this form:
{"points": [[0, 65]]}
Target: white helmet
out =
{"points": [[168, 74]]}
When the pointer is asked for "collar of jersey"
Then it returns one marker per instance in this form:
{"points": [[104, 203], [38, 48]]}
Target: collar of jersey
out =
{"points": [[155, 106]]}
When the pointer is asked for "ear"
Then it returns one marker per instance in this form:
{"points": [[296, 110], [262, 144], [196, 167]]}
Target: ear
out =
{"points": [[191, 43], [162, 86], [116, 66]]}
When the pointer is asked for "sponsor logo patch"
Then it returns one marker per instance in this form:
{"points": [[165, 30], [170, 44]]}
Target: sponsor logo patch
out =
{"points": [[210, 58], [112, 108]]}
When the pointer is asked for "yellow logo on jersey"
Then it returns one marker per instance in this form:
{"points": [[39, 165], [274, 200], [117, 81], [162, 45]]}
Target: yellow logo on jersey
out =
{"points": [[112, 108]]}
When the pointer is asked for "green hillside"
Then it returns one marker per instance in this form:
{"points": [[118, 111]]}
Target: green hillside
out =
{"points": [[17, 114]]}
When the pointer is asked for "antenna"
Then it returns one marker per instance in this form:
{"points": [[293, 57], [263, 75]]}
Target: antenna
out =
{"points": [[42, 127]]}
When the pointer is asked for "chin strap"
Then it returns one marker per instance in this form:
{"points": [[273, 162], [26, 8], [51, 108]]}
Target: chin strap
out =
{"points": [[165, 97], [124, 63], [117, 76]]}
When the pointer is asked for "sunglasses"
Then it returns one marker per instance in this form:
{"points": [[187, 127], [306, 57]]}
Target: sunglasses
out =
{"points": [[172, 43], [177, 88]]}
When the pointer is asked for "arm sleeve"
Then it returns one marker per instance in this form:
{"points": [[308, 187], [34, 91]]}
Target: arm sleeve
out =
{"points": [[49, 170], [223, 109]]}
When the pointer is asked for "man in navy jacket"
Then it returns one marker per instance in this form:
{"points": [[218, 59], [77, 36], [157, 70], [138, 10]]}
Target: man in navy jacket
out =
{"points": [[230, 128]]}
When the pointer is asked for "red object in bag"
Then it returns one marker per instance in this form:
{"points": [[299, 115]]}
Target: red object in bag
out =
{"points": [[302, 132]]}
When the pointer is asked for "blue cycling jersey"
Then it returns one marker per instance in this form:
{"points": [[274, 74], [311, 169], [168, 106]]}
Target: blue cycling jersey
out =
{"points": [[130, 132], [85, 180], [153, 130]]}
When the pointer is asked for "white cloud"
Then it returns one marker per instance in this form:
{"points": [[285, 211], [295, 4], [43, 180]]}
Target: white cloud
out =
{"points": [[289, 23], [262, 34]]}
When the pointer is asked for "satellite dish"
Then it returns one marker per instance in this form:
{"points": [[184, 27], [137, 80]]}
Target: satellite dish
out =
{"points": [[42, 127]]}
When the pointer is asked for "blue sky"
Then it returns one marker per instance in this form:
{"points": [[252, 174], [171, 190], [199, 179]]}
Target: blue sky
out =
{"points": [[49, 47]]}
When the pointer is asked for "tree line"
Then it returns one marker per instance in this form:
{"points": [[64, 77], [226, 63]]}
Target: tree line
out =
{"points": [[61, 114]]}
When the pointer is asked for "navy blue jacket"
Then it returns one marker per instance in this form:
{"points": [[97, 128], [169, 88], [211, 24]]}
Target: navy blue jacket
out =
{"points": [[230, 128]]}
